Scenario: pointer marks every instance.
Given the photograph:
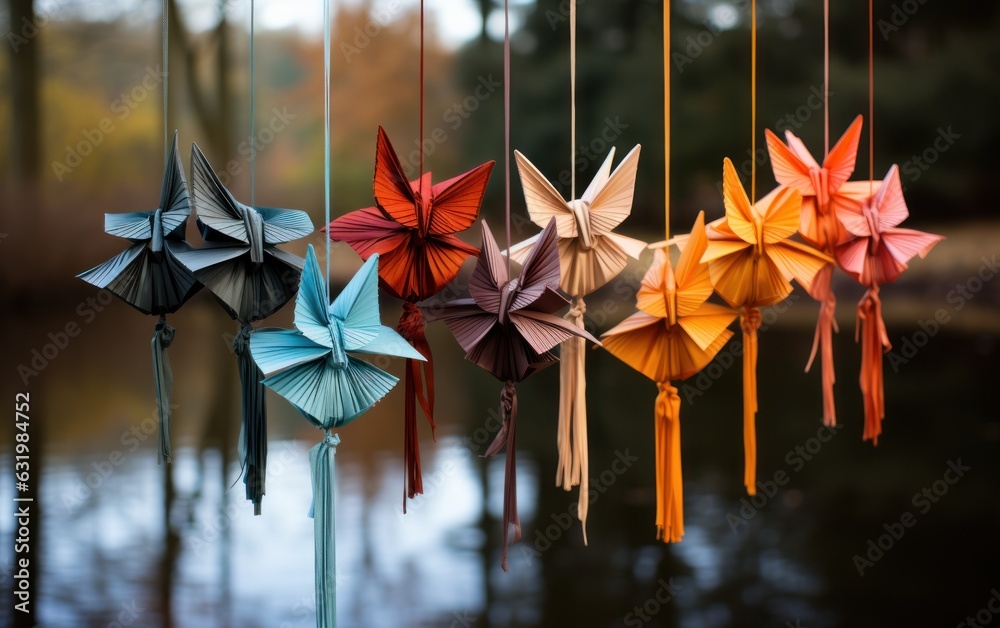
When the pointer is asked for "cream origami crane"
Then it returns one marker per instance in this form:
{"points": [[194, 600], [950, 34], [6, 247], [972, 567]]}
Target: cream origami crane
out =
{"points": [[590, 255]]}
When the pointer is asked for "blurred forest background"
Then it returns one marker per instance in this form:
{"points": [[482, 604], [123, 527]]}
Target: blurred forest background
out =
{"points": [[81, 134]]}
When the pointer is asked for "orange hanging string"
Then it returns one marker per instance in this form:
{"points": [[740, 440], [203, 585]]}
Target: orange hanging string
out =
{"points": [[753, 101], [871, 99], [669, 478], [826, 77], [750, 321], [666, 119]]}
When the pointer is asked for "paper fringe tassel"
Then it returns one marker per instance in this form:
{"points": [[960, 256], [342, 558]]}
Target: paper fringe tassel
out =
{"points": [[163, 378], [826, 324], [507, 437], [874, 343], [574, 465], [321, 462], [669, 477], [750, 321], [253, 435], [411, 327]]}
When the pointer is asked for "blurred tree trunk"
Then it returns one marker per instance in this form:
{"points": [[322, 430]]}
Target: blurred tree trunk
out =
{"points": [[24, 163]]}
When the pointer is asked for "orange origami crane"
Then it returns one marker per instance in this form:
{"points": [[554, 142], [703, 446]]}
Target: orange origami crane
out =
{"points": [[878, 254], [590, 255], [413, 230], [751, 261], [674, 335], [820, 187]]}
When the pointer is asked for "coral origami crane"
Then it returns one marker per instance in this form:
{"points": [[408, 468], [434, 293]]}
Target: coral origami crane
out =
{"points": [[751, 261], [312, 367], [822, 198], [675, 334], [413, 229], [877, 254], [251, 278], [590, 255], [509, 328], [148, 276]]}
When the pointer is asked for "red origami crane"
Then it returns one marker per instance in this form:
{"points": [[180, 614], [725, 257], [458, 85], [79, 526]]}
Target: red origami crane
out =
{"points": [[413, 228], [509, 327], [878, 254], [822, 196]]}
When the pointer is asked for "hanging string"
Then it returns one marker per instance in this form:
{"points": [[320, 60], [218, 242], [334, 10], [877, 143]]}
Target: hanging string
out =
{"points": [[871, 99], [421, 173], [326, 129], [253, 144], [666, 119], [826, 77], [572, 99], [506, 122], [753, 101], [165, 46]]}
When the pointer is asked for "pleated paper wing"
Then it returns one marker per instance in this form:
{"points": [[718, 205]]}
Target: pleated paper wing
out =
{"points": [[880, 249], [147, 275], [590, 253], [509, 325], [313, 367], [414, 224], [240, 262], [676, 332], [751, 258]]}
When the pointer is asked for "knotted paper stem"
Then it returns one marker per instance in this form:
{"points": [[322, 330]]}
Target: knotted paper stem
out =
{"points": [[321, 462], [750, 320], [874, 343], [669, 478], [826, 324], [411, 327], [253, 433], [507, 437], [574, 466], [163, 378]]}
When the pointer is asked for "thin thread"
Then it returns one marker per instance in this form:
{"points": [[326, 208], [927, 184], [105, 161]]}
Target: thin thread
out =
{"points": [[421, 166], [871, 98], [165, 45], [253, 146], [666, 119], [506, 121], [572, 99], [753, 101], [826, 77], [326, 129]]}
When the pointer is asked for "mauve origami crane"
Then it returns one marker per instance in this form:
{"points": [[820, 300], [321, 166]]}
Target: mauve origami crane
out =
{"points": [[509, 328], [148, 276], [590, 255], [675, 334], [877, 254], [251, 278], [312, 367], [751, 261], [822, 198], [413, 228]]}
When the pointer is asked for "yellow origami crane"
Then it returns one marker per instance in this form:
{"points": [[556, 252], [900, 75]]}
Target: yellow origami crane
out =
{"points": [[674, 335], [590, 255], [751, 262]]}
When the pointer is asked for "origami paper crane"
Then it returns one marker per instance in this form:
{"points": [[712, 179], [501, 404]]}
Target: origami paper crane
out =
{"points": [[877, 254], [751, 262], [312, 367], [509, 328], [148, 276], [675, 334], [590, 255], [251, 278], [413, 228], [822, 197]]}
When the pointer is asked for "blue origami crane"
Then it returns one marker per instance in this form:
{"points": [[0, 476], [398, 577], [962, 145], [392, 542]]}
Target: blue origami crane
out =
{"points": [[312, 368]]}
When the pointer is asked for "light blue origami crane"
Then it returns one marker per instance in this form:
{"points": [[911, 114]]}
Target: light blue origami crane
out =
{"points": [[312, 368]]}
